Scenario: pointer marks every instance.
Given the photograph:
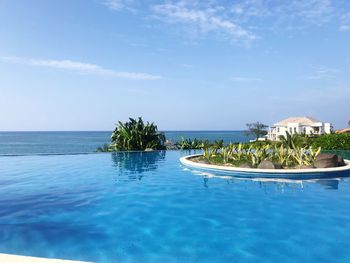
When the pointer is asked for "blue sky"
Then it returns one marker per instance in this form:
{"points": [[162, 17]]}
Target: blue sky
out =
{"points": [[186, 65]]}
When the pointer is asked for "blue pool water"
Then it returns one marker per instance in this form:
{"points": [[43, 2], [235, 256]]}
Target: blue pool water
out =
{"points": [[146, 207], [25, 143]]}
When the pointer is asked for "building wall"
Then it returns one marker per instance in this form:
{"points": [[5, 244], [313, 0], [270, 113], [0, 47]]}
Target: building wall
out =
{"points": [[318, 128], [327, 128]]}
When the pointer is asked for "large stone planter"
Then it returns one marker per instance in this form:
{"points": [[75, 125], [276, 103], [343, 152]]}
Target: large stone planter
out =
{"points": [[247, 172]]}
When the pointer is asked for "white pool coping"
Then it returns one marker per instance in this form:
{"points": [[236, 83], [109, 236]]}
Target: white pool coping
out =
{"points": [[7, 258], [186, 161]]}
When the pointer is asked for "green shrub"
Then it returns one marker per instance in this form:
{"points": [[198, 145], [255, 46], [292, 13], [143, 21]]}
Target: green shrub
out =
{"points": [[234, 154], [188, 144], [104, 148], [135, 135], [333, 141]]}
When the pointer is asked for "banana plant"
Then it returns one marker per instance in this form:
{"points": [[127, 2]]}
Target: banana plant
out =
{"points": [[218, 144], [311, 154], [299, 155], [207, 154], [137, 135], [225, 154]]}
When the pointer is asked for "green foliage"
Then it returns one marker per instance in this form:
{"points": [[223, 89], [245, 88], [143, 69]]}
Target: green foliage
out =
{"points": [[104, 148], [235, 154], [188, 144], [333, 141], [292, 141], [257, 129], [135, 135]]}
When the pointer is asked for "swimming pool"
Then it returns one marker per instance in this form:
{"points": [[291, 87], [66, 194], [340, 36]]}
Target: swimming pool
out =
{"points": [[146, 207]]}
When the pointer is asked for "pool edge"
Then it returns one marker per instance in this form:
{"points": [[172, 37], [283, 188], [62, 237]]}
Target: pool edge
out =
{"points": [[185, 161]]}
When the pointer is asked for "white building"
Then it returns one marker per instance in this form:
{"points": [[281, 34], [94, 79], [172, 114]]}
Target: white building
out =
{"points": [[300, 125]]}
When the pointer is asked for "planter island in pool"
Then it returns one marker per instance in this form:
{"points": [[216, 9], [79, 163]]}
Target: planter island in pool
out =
{"points": [[312, 173]]}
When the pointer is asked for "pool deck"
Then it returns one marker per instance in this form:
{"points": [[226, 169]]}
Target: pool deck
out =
{"points": [[6, 258]]}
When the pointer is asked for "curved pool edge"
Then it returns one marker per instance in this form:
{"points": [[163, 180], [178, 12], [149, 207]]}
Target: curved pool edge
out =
{"points": [[269, 173]]}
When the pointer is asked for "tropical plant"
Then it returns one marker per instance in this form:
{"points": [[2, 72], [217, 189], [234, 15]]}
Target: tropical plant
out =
{"points": [[255, 154], [207, 151], [312, 153], [218, 144], [188, 144], [291, 141], [257, 129], [281, 155], [136, 135], [104, 148]]}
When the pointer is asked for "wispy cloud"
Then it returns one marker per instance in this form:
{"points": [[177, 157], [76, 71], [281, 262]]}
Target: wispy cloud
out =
{"points": [[246, 79], [345, 22], [322, 73], [121, 5], [187, 65], [114, 5], [315, 12], [243, 20], [202, 20], [291, 13], [79, 67]]}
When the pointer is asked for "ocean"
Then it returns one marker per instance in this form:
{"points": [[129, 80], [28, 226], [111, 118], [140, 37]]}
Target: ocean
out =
{"points": [[28, 143]]}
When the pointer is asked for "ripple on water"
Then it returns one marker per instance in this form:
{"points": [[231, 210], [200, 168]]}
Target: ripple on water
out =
{"points": [[147, 208]]}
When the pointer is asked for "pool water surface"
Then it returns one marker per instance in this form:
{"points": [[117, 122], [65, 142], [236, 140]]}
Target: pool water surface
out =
{"points": [[147, 207]]}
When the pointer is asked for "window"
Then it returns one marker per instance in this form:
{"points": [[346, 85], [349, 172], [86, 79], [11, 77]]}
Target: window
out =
{"points": [[295, 130]]}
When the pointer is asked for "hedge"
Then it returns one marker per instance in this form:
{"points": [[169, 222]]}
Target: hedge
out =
{"points": [[333, 141]]}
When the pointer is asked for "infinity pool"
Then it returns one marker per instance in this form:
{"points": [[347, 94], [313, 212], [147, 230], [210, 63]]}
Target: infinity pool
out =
{"points": [[146, 207]]}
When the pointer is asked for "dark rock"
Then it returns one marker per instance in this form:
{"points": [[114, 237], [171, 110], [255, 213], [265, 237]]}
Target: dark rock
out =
{"points": [[266, 164], [278, 166], [172, 147], [169, 145], [326, 160], [245, 165], [341, 161]]}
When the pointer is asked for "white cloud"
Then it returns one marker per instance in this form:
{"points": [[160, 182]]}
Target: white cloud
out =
{"points": [[345, 22], [322, 73], [312, 11], [80, 67], [187, 65], [120, 5], [202, 20], [242, 20], [283, 15], [245, 79], [114, 5]]}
